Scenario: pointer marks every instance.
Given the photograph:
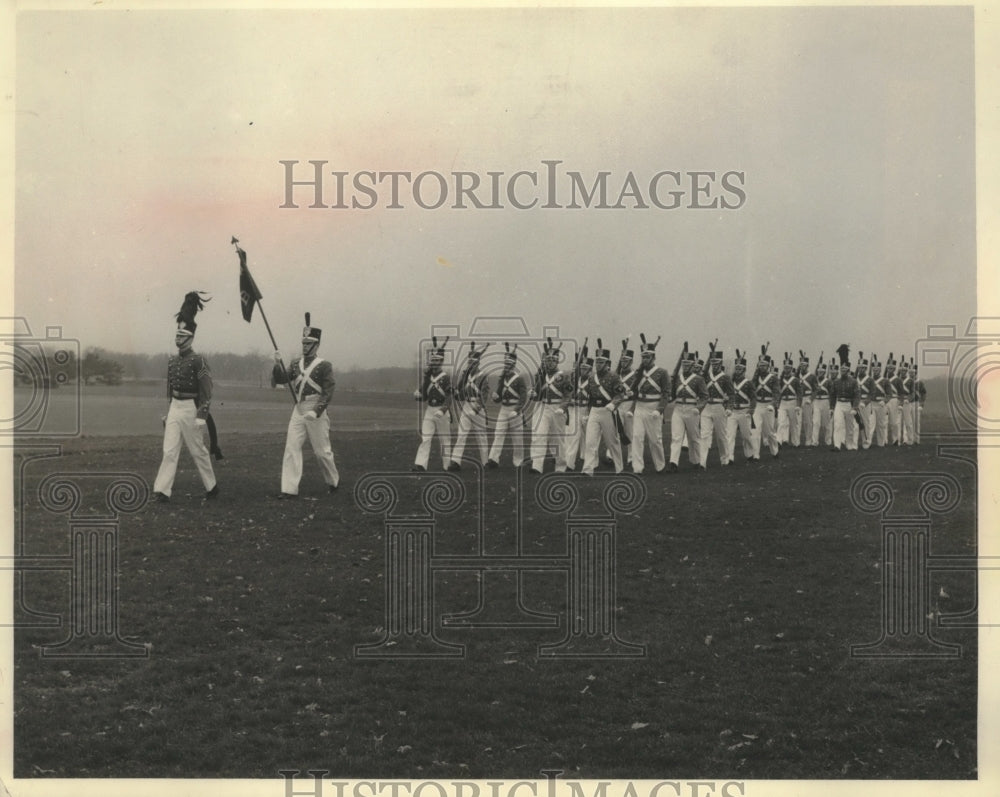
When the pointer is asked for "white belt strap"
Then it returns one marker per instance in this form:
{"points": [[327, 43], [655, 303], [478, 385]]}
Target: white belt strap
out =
{"points": [[305, 377]]}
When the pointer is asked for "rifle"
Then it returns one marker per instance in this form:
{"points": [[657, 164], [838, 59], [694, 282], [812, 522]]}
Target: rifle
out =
{"points": [[711, 351], [677, 370], [763, 353], [576, 373], [473, 357], [753, 423]]}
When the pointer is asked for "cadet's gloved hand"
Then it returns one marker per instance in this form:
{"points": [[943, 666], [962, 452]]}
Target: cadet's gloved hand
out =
{"points": [[311, 415], [200, 422]]}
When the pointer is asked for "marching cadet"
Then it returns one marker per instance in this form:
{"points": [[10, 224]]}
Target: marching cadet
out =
{"points": [[552, 391], [189, 387], [906, 401], [919, 397], [862, 431], [627, 374], [789, 402], [471, 387], [699, 370], [892, 407], [512, 396], [651, 392], [579, 409], [742, 405], [719, 387], [844, 399], [435, 391], [689, 396], [880, 392], [821, 418], [606, 393], [802, 431], [312, 383], [766, 393]]}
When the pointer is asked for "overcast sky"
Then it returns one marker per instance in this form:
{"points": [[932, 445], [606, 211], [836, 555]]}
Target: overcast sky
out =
{"points": [[145, 140]]}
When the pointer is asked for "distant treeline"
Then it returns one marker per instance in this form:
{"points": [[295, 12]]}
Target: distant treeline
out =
{"points": [[47, 364], [255, 369]]}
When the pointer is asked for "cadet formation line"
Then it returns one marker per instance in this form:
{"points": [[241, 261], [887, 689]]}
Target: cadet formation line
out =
{"points": [[572, 415]]}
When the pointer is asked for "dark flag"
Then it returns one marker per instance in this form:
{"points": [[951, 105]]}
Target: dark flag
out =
{"points": [[249, 292]]}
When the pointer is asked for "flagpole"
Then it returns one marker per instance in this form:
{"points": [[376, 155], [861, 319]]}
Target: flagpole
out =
{"points": [[257, 300]]}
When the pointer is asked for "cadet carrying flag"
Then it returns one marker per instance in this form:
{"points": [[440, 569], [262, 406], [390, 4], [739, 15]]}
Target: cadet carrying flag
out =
{"points": [[249, 292]]}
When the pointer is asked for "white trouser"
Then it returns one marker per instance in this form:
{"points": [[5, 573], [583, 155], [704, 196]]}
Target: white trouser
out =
{"points": [[788, 423], [647, 425], [917, 409], [548, 431], [821, 422], [907, 413], [763, 417], [686, 419], [601, 426], [431, 425], [508, 420], [576, 436], [843, 426], [894, 412], [713, 418], [318, 432], [474, 423], [863, 437], [803, 432], [739, 419], [181, 426], [880, 426]]}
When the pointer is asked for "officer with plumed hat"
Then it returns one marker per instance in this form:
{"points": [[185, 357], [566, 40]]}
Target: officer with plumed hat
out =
{"points": [[189, 388], [845, 397]]}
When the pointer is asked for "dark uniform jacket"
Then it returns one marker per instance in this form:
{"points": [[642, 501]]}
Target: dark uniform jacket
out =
{"points": [[690, 389], [652, 385], [511, 390], [602, 389], [845, 387], [188, 377], [318, 382]]}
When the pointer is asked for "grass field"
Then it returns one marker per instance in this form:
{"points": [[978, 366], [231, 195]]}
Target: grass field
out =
{"points": [[746, 585]]}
